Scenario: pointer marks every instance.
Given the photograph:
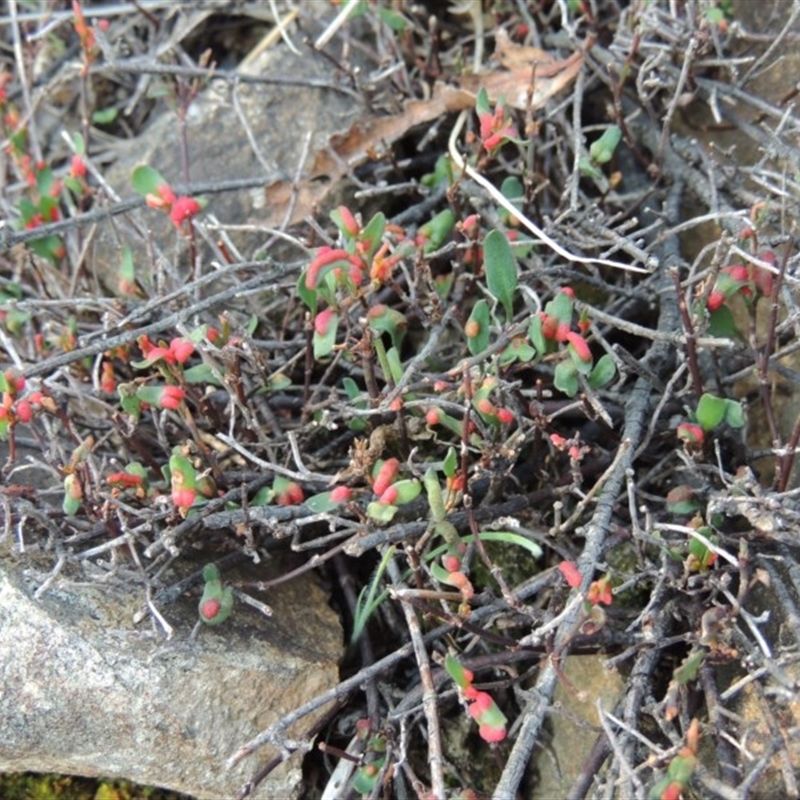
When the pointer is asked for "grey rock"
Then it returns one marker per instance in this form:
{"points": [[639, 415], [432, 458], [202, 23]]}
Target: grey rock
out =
{"points": [[85, 692]]}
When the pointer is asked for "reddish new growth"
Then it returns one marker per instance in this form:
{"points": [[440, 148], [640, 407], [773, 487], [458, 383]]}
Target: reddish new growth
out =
{"points": [[178, 351], [210, 608], [171, 397], [493, 129], [180, 209]]}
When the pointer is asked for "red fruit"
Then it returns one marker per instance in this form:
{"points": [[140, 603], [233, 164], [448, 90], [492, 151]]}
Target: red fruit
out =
{"points": [[166, 194], [562, 332], [77, 167], [107, 381], [738, 273], [480, 705]]}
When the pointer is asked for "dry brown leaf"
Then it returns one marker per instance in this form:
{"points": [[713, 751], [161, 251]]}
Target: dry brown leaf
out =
{"points": [[371, 138]]}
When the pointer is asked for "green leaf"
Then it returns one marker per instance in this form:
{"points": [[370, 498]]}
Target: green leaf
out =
{"points": [[734, 414], [383, 319], [711, 411], [369, 600], [560, 307], [79, 144], [308, 296], [203, 374], [589, 170], [437, 230], [372, 235], [73, 495], [602, 150], [456, 671], [442, 173], [509, 537], [323, 343], [381, 512], [482, 102], [146, 180], [105, 116], [603, 372], [536, 335], [407, 490], [688, 670], [481, 316], [450, 463], [501, 270], [565, 378], [321, 503], [682, 501], [722, 324]]}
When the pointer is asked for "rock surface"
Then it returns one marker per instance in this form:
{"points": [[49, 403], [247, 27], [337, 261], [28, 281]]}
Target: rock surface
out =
{"points": [[85, 692]]}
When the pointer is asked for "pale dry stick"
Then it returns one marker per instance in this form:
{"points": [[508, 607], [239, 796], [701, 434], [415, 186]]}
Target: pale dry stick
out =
{"points": [[587, 498], [541, 236], [22, 77], [55, 17], [282, 22], [666, 396], [577, 141], [707, 543], [751, 622], [429, 697], [248, 132], [337, 23], [278, 470], [537, 636], [762, 59], [168, 629], [50, 579], [11, 351], [621, 759], [650, 333]]}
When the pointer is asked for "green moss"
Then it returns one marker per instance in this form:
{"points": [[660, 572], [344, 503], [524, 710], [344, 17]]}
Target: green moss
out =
{"points": [[35, 786]]}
